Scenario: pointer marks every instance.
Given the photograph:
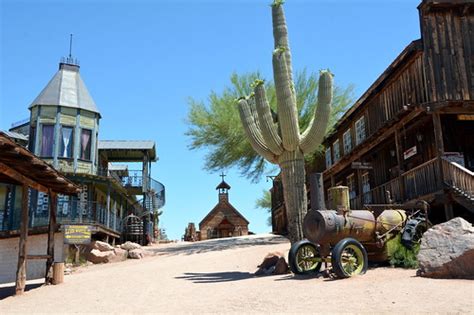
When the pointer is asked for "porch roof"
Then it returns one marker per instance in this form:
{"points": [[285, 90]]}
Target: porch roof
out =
{"points": [[20, 166], [128, 150]]}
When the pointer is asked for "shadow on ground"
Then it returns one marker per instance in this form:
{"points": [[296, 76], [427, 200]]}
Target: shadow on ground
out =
{"points": [[215, 277], [10, 291], [217, 245]]}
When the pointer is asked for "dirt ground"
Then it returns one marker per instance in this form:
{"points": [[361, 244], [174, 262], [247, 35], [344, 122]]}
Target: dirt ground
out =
{"points": [[217, 277]]}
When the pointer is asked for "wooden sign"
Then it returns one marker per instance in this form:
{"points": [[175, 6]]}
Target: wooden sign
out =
{"points": [[77, 234], [465, 117], [361, 165], [409, 153]]}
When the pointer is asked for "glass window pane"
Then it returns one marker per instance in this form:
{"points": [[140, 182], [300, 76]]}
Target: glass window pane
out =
{"points": [[47, 137], [86, 144], [67, 141]]}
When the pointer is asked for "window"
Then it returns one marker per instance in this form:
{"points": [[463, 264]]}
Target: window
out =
{"points": [[328, 158], [47, 137], [366, 188], [335, 148], [347, 141], [360, 130], [67, 142], [351, 186], [85, 144]]}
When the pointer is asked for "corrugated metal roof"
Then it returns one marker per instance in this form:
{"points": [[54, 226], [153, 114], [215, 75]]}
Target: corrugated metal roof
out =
{"points": [[126, 144], [66, 88], [15, 135]]}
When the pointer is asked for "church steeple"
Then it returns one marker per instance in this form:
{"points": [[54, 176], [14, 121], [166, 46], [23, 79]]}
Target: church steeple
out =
{"points": [[223, 189]]}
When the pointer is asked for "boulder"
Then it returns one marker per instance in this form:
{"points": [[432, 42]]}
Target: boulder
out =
{"points": [[447, 250], [281, 267], [102, 246], [273, 264], [97, 257], [120, 255], [136, 253], [130, 246]]}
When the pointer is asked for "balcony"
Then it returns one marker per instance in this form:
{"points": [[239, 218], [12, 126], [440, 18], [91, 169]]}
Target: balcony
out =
{"points": [[68, 212]]}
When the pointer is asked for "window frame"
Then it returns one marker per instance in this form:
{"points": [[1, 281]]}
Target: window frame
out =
{"points": [[361, 133], [89, 146], [336, 157], [41, 154], [347, 148], [328, 157], [71, 144]]}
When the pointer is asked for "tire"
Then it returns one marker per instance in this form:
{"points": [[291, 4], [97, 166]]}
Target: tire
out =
{"points": [[304, 258], [349, 258]]}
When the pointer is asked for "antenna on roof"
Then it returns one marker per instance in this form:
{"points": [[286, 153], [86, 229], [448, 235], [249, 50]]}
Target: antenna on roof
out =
{"points": [[70, 46], [69, 60]]}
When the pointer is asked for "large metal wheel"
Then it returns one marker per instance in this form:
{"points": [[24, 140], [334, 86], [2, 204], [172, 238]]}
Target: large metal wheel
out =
{"points": [[349, 258], [304, 258]]}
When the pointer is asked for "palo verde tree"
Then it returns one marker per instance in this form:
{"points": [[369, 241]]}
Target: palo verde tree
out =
{"points": [[278, 139]]}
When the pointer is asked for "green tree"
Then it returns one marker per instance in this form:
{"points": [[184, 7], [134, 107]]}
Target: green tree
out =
{"points": [[215, 125], [265, 203]]}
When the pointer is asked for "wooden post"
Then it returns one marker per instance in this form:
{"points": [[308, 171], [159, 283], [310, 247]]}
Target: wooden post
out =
{"points": [[22, 250], [448, 210], [51, 230], [401, 169], [58, 273], [438, 134]]}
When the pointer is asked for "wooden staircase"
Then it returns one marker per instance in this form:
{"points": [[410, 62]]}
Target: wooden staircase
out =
{"points": [[461, 182]]}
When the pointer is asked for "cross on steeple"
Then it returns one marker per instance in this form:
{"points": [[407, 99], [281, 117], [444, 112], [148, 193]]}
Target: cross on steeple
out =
{"points": [[222, 175]]}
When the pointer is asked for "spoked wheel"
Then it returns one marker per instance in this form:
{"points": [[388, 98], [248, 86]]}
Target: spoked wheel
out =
{"points": [[304, 258], [349, 258]]}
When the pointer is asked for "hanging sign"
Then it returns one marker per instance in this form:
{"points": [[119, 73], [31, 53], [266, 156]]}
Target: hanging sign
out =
{"points": [[361, 165], [465, 117], [77, 234], [409, 153]]}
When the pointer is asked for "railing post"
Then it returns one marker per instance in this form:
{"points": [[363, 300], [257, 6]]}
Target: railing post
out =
{"points": [[401, 182], [438, 134]]}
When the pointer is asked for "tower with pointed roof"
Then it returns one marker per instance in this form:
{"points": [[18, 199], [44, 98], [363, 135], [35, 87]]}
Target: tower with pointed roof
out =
{"points": [[64, 122], [223, 220]]}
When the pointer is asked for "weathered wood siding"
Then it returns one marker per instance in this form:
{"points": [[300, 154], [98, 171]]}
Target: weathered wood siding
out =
{"points": [[406, 87], [448, 39]]}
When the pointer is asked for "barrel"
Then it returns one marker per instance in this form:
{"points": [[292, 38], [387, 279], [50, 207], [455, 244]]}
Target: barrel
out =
{"points": [[391, 219], [328, 227]]}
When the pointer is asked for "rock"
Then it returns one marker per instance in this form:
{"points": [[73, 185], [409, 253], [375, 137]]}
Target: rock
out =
{"points": [[102, 246], [120, 255], [97, 257], [130, 246], [281, 267], [136, 253], [447, 250], [274, 263]]}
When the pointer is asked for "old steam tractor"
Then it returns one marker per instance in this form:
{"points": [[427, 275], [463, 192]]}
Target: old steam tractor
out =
{"points": [[349, 239]]}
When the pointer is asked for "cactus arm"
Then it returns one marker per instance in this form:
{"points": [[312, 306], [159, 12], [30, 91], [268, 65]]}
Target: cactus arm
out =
{"points": [[269, 131], [313, 136], [247, 116], [287, 112], [280, 34]]}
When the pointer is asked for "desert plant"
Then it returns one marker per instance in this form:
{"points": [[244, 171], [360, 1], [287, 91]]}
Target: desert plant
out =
{"points": [[277, 138]]}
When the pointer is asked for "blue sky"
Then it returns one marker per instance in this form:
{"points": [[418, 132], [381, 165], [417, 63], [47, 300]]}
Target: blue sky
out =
{"points": [[141, 61]]}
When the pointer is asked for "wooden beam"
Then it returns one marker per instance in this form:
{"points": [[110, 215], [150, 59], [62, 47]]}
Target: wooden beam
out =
{"points": [[22, 249], [52, 228], [38, 257], [10, 172]]}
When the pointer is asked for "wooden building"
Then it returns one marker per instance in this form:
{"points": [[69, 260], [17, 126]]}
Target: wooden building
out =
{"points": [[410, 136], [223, 220], [63, 130], [20, 168]]}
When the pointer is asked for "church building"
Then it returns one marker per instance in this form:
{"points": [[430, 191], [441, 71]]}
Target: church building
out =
{"points": [[223, 220]]}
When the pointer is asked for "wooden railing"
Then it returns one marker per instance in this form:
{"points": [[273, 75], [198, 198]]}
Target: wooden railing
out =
{"points": [[458, 177], [421, 180]]}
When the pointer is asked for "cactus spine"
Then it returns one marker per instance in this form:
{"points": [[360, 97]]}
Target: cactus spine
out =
{"points": [[283, 144]]}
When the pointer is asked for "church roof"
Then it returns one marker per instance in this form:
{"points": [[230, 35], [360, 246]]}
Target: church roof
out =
{"points": [[67, 89], [223, 185], [218, 208]]}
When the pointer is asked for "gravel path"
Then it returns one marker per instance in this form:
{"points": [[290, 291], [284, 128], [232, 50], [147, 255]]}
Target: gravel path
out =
{"points": [[216, 277]]}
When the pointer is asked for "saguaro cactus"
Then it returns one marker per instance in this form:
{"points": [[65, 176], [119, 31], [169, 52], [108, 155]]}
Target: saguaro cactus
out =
{"points": [[281, 143]]}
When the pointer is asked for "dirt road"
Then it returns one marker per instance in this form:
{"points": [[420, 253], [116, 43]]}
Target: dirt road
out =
{"points": [[216, 277]]}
